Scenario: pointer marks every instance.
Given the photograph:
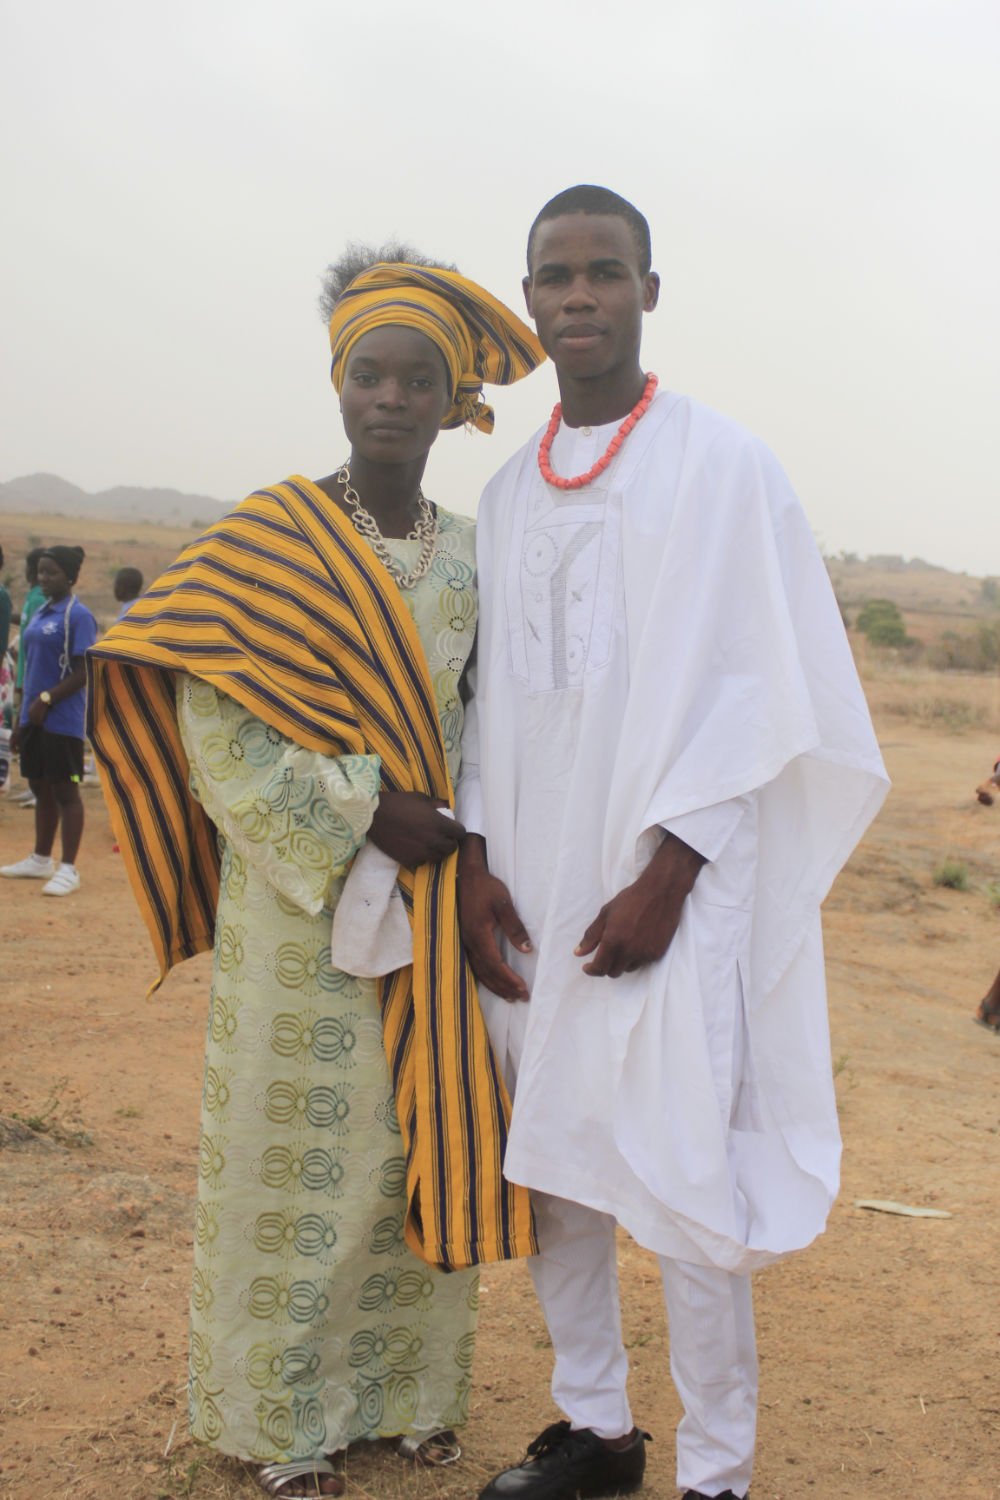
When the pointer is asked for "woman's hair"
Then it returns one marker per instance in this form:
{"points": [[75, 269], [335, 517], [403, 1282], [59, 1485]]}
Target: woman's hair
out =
{"points": [[357, 258], [68, 559]]}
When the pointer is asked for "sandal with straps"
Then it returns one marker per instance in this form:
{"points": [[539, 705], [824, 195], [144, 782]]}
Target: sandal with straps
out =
{"points": [[272, 1479], [432, 1450]]}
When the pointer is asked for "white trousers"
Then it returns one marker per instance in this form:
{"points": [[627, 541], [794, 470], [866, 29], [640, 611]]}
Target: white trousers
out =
{"points": [[713, 1355]]}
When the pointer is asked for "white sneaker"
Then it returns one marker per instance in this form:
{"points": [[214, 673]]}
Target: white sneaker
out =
{"points": [[35, 867], [24, 798], [64, 882]]}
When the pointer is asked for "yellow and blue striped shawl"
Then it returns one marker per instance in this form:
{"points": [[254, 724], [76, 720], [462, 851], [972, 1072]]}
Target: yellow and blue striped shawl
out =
{"points": [[282, 607]]}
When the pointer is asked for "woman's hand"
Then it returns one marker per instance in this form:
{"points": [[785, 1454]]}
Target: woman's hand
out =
{"points": [[37, 711], [409, 828], [15, 739]]}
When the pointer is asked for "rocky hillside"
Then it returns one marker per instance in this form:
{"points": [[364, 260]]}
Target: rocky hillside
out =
{"points": [[49, 495]]}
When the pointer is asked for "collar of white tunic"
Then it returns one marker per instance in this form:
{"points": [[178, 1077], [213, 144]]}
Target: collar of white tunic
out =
{"points": [[576, 449]]}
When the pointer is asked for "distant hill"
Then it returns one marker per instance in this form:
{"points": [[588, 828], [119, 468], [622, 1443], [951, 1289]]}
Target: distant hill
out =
{"points": [[47, 494], [944, 599]]}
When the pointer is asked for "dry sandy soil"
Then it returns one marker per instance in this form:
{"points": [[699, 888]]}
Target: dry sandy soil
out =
{"points": [[878, 1346], [109, 545]]}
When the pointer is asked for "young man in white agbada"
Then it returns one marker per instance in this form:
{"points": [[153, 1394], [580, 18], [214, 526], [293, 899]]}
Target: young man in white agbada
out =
{"points": [[667, 758]]}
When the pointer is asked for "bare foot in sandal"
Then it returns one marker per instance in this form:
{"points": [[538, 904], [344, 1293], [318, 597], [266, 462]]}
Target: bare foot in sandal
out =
{"points": [[305, 1480], [434, 1450]]}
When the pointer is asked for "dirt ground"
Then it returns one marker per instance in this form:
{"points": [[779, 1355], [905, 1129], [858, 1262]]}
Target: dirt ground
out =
{"points": [[878, 1346]]}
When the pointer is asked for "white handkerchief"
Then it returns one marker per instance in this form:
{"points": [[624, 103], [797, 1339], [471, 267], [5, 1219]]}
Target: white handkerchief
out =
{"points": [[371, 930]]}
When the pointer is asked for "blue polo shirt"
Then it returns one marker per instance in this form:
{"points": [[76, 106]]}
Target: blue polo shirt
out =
{"points": [[43, 644]]}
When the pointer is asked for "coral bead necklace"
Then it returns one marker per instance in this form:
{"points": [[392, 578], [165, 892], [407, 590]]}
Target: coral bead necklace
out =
{"points": [[579, 480]]}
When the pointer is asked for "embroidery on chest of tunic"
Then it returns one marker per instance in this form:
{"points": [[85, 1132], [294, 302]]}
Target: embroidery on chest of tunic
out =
{"points": [[561, 589]]}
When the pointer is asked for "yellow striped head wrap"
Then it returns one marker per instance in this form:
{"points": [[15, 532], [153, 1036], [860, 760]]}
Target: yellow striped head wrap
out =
{"points": [[480, 339]]}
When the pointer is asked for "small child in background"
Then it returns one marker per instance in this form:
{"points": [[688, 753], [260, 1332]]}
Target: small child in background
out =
{"points": [[128, 587]]}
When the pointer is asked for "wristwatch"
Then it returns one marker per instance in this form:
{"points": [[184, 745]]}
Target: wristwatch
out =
{"points": [[46, 698]]}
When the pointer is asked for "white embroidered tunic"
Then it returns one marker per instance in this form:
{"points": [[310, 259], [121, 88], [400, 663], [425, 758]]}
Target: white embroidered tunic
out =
{"points": [[662, 650]]}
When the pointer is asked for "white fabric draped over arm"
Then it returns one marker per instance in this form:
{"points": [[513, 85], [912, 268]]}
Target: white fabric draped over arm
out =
{"points": [[708, 830], [296, 815]]}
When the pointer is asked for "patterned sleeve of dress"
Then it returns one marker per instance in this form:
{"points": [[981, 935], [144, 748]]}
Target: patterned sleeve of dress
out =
{"points": [[297, 816]]}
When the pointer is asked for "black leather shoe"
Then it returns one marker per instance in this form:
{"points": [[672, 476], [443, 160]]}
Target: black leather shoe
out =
{"points": [[564, 1465], [726, 1495]]}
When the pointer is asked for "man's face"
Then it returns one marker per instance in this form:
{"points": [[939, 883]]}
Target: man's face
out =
{"points": [[587, 293]]}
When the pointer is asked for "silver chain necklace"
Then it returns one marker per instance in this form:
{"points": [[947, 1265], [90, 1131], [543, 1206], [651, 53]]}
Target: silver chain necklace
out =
{"points": [[425, 532]]}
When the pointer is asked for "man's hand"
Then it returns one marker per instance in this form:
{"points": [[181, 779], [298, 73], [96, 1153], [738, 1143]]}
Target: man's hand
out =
{"points": [[409, 828], [484, 904], [637, 926]]}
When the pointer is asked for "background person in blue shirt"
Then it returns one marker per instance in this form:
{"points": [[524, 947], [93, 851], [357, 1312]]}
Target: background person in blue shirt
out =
{"points": [[49, 734]]}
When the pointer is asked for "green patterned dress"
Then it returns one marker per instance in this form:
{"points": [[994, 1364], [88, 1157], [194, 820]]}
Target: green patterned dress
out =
{"points": [[312, 1324]]}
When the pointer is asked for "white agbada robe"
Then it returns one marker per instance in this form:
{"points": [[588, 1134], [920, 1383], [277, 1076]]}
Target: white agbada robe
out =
{"points": [[663, 650]]}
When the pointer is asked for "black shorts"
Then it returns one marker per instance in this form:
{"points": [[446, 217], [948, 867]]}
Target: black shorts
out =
{"points": [[50, 757]]}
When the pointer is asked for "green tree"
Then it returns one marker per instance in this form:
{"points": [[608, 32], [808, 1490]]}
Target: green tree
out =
{"points": [[881, 621]]}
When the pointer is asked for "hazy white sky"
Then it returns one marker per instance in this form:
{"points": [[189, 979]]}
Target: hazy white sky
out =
{"points": [[820, 178]]}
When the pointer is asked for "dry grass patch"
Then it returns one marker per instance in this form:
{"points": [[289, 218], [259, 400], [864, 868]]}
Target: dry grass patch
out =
{"points": [[109, 545], [958, 703], [953, 874]]}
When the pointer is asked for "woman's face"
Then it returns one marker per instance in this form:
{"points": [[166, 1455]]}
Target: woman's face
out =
{"points": [[51, 579], [396, 391]]}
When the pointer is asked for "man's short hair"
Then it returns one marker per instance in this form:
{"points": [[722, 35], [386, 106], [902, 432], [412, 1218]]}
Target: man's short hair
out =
{"points": [[588, 199]]}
